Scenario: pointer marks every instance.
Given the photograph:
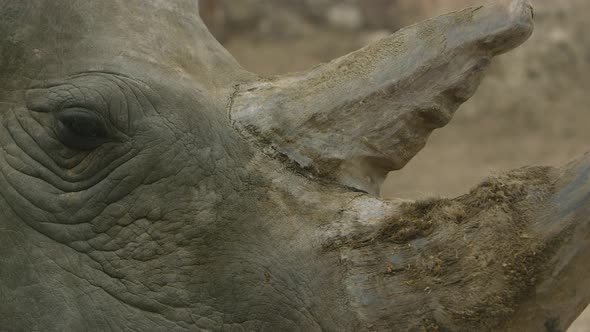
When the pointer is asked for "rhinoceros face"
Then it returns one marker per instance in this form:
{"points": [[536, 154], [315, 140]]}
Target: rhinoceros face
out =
{"points": [[120, 171], [102, 118], [148, 182]]}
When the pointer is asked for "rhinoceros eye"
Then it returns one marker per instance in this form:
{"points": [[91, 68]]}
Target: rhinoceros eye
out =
{"points": [[81, 129]]}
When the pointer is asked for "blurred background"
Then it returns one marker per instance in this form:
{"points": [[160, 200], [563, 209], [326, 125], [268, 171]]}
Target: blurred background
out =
{"points": [[531, 109]]}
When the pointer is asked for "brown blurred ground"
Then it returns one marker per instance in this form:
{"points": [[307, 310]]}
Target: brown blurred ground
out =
{"points": [[531, 109]]}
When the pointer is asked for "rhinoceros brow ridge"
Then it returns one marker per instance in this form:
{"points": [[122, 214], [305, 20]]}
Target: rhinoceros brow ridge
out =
{"points": [[123, 99]]}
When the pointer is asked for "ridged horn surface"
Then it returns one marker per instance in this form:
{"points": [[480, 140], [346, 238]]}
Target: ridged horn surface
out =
{"points": [[369, 112]]}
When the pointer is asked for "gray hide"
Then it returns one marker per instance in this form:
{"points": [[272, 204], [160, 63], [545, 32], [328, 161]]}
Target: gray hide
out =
{"points": [[149, 183]]}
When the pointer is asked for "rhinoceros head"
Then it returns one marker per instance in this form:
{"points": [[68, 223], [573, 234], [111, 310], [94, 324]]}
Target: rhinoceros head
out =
{"points": [[148, 182]]}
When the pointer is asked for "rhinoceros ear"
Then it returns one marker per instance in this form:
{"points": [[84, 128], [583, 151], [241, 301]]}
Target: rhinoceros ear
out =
{"points": [[358, 117]]}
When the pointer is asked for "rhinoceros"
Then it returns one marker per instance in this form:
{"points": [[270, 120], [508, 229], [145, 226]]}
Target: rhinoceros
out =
{"points": [[149, 183]]}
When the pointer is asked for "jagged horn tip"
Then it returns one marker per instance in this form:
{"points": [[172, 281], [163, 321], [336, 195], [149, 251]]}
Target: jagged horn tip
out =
{"points": [[369, 112]]}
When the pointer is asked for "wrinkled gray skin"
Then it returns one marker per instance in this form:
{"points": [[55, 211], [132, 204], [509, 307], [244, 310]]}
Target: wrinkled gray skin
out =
{"points": [[137, 192]]}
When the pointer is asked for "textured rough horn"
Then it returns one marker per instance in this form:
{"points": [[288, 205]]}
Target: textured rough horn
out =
{"points": [[369, 112], [511, 255], [563, 291]]}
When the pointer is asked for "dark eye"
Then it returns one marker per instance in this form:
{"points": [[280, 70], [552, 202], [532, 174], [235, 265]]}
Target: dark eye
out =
{"points": [[81, 129]]}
